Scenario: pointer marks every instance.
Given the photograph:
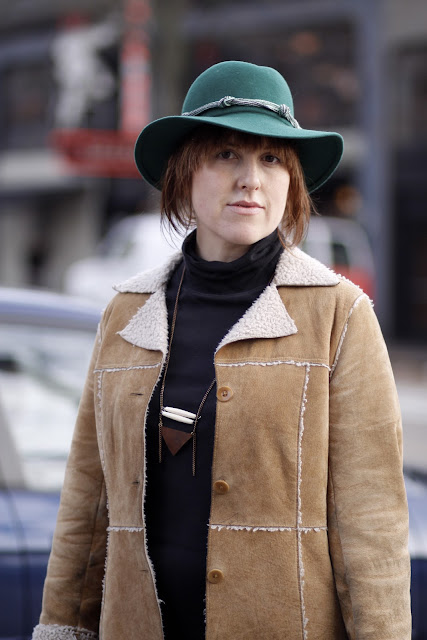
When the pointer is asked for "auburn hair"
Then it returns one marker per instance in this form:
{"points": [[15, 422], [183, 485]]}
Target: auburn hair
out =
{"points": [[176, 205]]}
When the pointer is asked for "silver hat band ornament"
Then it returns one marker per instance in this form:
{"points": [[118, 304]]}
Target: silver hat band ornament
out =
{"points": [[228, 101]]}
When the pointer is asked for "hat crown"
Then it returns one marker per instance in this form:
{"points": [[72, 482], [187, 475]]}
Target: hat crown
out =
{"points": [[239, 80]]}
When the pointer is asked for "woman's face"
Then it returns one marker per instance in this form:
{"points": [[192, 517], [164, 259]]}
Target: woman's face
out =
{"points": [[239, 196]]}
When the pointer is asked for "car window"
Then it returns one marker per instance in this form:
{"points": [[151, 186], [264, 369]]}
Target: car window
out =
{"points": [[340, 254], [117, 241], [42, 372]]}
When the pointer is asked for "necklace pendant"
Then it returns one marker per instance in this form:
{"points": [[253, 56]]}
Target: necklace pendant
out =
{"points": [[175, 439], [179, 415]]}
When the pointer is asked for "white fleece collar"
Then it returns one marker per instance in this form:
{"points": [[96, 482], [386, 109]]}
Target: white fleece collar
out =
{"points": [[267, 317], [151, 280], [295, 268]]}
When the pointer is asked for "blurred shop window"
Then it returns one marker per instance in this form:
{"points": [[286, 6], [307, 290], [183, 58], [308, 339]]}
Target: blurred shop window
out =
{"points": [[409, 127], [26, 104], [85, 68], [318, 61], [411, 121], [69, 80], [217, 3]]}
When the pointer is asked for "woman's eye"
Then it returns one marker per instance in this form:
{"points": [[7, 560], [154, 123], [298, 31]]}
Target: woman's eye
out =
{"points": [[271, 159], [226, 155]]}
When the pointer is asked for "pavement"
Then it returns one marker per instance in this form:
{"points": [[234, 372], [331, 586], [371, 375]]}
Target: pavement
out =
{"points": [[410, 371]]}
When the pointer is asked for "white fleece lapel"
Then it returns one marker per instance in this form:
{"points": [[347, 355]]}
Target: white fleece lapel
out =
{"points": [[267, 317], [149, 326], [296, 268]]}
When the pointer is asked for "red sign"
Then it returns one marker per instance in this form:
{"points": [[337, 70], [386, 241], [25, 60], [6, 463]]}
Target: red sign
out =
{"points": [[110, 153], [98, 153]]}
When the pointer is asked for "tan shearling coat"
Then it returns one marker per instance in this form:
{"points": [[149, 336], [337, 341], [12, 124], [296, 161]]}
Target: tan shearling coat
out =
{"points": [[310, 540]]}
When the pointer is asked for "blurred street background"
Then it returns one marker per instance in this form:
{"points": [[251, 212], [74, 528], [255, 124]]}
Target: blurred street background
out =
{"points": [[80, 78]]}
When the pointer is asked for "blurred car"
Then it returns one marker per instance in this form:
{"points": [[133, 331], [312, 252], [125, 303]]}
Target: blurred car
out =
{"points": [[133, 244], [342, 245], [45, 345], [137, 242]]}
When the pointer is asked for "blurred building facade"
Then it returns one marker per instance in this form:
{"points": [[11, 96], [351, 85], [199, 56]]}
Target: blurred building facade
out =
{"points": [[79, 79]]}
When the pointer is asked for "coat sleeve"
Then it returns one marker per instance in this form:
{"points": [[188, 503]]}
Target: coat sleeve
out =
{"points": [[367, 508], [73, 587]]}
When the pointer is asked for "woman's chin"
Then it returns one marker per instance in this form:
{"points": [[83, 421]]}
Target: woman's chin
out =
{"points": [[248, 237]]}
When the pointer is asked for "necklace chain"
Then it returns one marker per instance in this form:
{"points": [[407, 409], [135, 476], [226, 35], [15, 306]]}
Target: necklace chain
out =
{"points": [[162, 388]]}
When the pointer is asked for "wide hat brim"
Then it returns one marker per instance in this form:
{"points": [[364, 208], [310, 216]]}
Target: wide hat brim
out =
{"points": [[319, 151]]}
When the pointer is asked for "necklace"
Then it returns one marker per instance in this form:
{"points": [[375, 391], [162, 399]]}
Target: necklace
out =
{"points": [[175, 439]]}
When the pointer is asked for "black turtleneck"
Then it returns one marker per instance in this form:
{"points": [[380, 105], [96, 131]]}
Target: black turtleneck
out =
{"points": [[214, 295]]}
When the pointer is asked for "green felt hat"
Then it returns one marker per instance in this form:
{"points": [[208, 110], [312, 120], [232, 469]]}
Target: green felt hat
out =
{"points": [[242, 97]]}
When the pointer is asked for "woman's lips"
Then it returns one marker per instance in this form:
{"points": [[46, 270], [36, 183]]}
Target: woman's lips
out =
{"points": [[242, 206]]}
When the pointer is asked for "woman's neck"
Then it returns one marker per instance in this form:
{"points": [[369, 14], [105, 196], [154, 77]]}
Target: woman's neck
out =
{"points": [[222, 253], [252, 269]]}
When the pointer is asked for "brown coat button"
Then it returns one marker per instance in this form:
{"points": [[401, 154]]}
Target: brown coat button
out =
{"points": [[221, 486], [215, 576], [224, 394]]}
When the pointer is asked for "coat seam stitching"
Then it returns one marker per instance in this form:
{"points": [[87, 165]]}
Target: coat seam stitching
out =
{"points": [[344, 333], [273, 363], [99, 426], [104, 578], [130, 529], [115, 369], [274, 528], [300, 562]]}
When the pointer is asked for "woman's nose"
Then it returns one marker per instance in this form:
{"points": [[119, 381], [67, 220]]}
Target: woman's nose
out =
{"points": [[249, 177]]}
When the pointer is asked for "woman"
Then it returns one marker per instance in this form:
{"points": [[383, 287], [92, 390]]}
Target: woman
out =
{"points": [[240, 418]]}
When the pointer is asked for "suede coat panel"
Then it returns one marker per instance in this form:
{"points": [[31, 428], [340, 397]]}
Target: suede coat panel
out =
{"points": [[311, 537]]}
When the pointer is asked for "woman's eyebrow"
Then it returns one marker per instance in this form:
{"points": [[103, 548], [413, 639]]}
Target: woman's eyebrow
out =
{"points": [[230, 143], [241, 145]]}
